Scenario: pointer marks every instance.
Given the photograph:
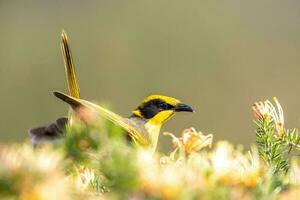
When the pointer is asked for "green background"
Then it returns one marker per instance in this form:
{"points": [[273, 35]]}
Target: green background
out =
{"points": [[218, 56]]}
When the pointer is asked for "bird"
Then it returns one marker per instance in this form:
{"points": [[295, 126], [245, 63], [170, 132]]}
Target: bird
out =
{"points": [[142, 126]]}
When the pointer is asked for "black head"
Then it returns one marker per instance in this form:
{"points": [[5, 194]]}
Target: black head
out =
{"points": [[155, 104]]}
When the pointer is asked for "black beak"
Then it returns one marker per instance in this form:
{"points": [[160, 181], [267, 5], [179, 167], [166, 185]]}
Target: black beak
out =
{"points": [[181, 107]]}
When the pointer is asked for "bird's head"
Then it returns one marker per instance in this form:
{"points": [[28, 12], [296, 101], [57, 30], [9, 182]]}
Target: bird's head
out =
{"points": [[159, 109]]}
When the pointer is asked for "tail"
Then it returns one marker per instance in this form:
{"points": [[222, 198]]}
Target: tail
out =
{"points": [[72, 101], [55, 130], [69, 66]]}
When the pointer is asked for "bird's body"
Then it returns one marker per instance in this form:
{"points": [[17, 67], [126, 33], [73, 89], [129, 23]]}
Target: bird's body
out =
{"points": [[143, 126]]}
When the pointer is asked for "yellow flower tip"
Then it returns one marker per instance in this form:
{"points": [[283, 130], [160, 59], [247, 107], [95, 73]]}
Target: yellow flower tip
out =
{"points": [[256, 110], [267, 109], [194, 141], [85, 177], [275, 100], [175, 141], [83, 144], [232, 167], [169, 134], [262, 109]]}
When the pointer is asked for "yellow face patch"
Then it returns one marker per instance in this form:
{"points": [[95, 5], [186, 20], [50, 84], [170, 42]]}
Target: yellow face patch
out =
{"points": [[161, 117], [170, 100], [154, 124], [137, 113]]}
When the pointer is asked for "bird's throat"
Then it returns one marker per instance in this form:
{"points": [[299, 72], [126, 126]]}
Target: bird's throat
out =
{"points": [[154, 125]]}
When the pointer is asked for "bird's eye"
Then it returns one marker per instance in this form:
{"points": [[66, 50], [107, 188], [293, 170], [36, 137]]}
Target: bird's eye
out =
{"points": [[162, 105]]}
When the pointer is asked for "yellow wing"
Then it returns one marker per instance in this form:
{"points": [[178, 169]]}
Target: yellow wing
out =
{"points": [[133, 131]]}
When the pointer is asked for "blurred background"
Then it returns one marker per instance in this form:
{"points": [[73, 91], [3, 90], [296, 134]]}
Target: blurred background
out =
{"points": [[219, 57]]}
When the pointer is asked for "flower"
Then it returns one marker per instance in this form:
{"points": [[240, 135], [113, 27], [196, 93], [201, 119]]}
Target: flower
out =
{"points": [[265, 109], [85, 177], [232, 167], [39, 172], [191, 140]]}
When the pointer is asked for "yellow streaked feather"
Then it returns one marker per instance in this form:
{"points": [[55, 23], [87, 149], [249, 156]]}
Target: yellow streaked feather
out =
{"points": [[111, 116], [69, 66], [137, 113]]}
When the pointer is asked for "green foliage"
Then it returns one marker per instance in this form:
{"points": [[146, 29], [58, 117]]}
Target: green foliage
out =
{"points": [[274, 149], [275, 144], [79, 141], [220, 192], [271, 148], [118, 167], [106, 152], [292, 139], [9, 184], [97, 162]]}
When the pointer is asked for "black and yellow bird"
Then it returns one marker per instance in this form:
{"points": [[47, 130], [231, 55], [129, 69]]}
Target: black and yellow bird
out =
{"points": [[143, 126]]}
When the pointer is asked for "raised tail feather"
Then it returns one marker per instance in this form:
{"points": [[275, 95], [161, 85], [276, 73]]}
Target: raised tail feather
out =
{"points": [[69, 66], [49, 133]]}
